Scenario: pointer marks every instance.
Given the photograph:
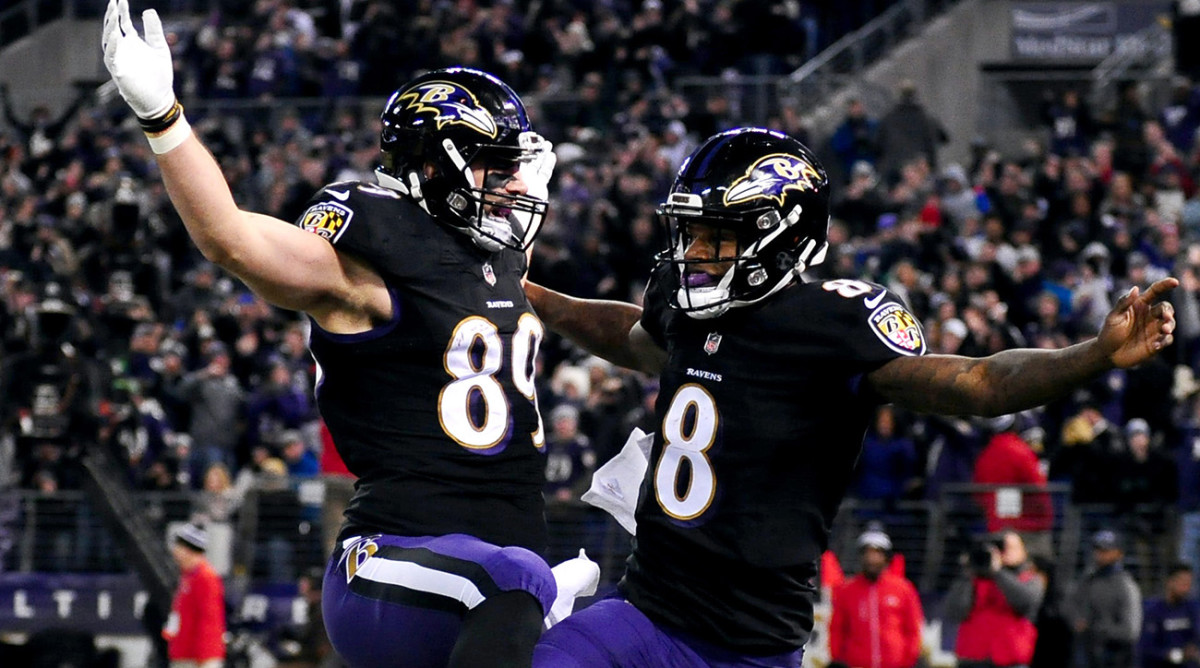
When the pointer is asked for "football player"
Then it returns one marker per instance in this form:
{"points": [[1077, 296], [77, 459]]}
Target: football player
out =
{"points": [[424, 343], [768, 383]]}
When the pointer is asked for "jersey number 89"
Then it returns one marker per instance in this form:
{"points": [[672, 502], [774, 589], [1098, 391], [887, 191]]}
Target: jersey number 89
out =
{"points": [[688, 431], [473, 358]]}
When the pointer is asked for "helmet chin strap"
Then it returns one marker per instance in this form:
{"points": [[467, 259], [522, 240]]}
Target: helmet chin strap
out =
{"points": [[388, 181], [710, 303], [411, 189]]}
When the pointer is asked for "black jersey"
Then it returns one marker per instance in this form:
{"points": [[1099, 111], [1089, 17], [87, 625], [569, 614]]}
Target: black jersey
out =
{"points": [[760, 418], [435, 411]]}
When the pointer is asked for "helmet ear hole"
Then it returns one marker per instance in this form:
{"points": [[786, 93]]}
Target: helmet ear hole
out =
{"points": [[784, 261]]}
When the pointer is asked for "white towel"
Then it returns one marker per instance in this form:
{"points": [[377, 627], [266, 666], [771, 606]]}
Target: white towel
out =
{"points": [[615, 485]]}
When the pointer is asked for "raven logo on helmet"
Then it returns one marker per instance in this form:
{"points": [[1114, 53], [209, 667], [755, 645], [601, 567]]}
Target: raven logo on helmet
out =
{"points": [[771, 176], [451, 104]]}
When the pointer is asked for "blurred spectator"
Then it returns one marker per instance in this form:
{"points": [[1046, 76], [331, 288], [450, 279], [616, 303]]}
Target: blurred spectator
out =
{"points": [[218, 500], [952, 445], [1124, 120], [284, 541], [1170, 634], [1187, 458], [277, 405], [301, 462], [1008, 459], [1147, 387], [50, 393], [1090, 301], [54, 542], [199, 293], [1055, 631], [214, 400], [612, 394], [907, 132], [1108, 607], [569, 456], [1180, 117], [886, 469], [877, 619], [1147, 488], [135, 429], [305, 644], [1070, 123], [42, 131], [855, 139], [995, 601], [861, 203], [1087, 456], [959, 201], [195, 629]]}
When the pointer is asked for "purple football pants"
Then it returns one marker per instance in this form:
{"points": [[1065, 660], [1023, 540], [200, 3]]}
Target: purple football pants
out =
{"points": [[614, 634], [393, 601]]}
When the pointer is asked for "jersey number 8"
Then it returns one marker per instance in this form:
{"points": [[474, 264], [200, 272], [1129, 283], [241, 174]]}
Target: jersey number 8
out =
{"points": [[688, 430], [474, 369]]}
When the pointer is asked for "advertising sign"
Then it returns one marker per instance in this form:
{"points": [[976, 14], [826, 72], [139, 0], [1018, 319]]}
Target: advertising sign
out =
{"points": [[1080, 32]]}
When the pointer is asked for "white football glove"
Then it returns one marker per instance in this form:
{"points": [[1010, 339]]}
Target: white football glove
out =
{"points": [[537, 169], [141, 69], [574, 577]]}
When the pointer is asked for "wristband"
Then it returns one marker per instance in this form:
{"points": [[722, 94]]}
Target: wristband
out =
{"points": [[159, 124], [171, 137]]}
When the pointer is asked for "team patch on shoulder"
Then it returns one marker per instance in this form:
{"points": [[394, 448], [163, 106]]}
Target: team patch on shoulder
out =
{"points": [[897, 328], [327, 219]]}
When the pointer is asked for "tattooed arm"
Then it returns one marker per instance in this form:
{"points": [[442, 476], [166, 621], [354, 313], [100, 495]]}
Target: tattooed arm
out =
{"points": [[1137, 328], [608, 329]]}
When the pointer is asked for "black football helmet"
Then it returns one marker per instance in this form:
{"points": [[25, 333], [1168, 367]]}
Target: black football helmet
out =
{"points": [[448, 119], [763, 188]]}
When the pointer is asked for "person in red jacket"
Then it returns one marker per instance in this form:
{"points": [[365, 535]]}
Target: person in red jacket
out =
{"points": [[995, 600], [195, 630], [1008, 459], [877, 616]]}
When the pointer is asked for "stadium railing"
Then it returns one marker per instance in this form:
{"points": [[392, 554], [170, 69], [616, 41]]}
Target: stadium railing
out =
{"points": [[276, 533]]}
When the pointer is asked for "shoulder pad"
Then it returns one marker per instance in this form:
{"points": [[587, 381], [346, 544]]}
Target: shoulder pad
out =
{"points": [[375, 223], [331, 211]]}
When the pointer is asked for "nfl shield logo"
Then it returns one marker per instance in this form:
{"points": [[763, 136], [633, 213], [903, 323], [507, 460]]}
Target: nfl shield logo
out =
{"points": [[488, 274], [713, 342]]}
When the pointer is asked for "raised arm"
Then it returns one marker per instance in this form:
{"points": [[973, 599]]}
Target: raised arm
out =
{"points": [[1137, 328], [607, 329], [284, 264]]}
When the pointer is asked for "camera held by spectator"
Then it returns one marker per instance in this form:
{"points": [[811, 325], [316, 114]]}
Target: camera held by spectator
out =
{"points": [[984, 556]]}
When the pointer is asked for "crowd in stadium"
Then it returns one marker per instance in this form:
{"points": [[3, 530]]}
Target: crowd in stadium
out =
{"points": [[115, 332]]}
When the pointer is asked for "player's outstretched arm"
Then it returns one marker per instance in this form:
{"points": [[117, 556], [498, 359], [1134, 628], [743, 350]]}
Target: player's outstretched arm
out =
{"points": [[1139, 326], [285, 265], [607, 329]]}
